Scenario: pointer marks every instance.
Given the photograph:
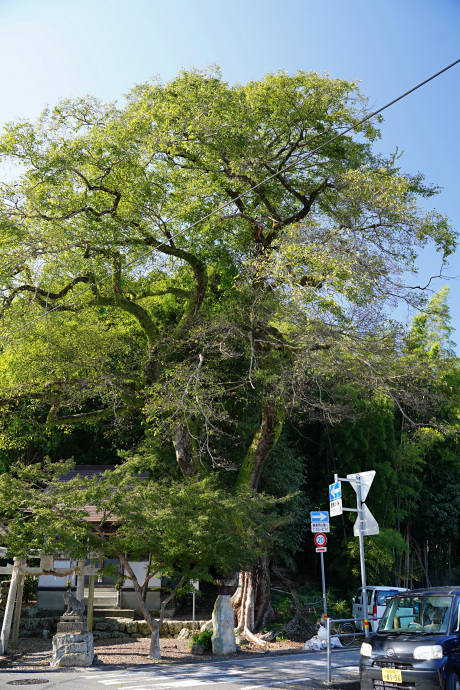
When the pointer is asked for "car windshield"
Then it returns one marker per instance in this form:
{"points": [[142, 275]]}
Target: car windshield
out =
{"points": [[382, 596], [417, 614]]}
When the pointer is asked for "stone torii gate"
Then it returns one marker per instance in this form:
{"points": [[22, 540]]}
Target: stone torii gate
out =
{"points": [[19, 569]]}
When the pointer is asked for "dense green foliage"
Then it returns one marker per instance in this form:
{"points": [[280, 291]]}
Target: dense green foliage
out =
{"points": [[144, 512], [198, 283], [203, 638]]}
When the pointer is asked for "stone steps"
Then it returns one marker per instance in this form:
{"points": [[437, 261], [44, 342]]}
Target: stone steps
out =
{"points": [[105, 599], [113, 613], [103, 602]]}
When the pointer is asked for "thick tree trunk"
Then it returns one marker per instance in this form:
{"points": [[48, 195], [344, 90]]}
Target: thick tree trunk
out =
{"points": [[251, 601], [264, 440]]}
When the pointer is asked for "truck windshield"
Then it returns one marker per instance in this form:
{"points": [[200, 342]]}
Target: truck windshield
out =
{"points": [[417, 614]]}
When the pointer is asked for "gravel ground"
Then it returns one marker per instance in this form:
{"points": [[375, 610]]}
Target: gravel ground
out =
{"points": [[119, 653]]}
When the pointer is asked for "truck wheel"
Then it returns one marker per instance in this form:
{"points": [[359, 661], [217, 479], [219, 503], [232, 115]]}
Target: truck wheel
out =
{"points": [[452, 682]]}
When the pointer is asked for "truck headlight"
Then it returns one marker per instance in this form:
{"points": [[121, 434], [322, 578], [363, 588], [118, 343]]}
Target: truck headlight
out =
{"points": [[366, 649], [428, 652]]}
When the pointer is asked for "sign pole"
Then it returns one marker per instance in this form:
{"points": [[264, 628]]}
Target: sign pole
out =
{"points": [[195, 587], [324, 584], [193, 611], [365, 523], [321, 541], [361, 554]]}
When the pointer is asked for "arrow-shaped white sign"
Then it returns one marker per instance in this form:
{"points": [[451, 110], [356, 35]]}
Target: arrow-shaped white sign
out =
{"points": [[366, 480], [370, 526]]}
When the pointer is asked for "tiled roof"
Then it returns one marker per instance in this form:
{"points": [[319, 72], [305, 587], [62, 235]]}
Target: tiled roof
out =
{"points": [[86, 471], [92, 471]]}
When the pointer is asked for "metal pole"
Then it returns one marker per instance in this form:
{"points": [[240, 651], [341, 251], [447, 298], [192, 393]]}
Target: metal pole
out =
{"points": [[328, 628], [407, 560], [324, 584], [193, 610], [361, 554]]}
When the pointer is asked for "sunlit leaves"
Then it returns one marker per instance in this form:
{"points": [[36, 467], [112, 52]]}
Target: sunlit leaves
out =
{"points": [[176, 522]]}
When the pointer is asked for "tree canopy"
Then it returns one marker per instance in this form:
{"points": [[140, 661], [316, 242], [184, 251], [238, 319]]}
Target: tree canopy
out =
{"points": [[206, 259]]}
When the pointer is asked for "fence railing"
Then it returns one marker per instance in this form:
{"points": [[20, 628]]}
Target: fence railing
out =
{"points": [[333, 627]]}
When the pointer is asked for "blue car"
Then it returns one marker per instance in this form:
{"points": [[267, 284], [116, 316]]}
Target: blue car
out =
{"points": [[417, 644]]}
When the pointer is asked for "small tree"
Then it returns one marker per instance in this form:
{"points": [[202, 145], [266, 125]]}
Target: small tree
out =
{"points": [[176, 522]]}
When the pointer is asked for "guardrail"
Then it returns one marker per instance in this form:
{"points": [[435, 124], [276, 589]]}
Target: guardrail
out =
{"points": [[331, 624]]}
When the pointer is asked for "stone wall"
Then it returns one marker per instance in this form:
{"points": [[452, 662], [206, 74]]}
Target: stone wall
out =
{"points": [[126, 627], [35, 624]]}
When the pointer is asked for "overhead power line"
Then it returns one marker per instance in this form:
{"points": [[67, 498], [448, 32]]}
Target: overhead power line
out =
{"points": [[147, 253]]}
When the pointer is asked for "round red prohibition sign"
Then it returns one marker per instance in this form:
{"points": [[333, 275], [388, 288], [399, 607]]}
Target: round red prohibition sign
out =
{"points": [[320, 539]]}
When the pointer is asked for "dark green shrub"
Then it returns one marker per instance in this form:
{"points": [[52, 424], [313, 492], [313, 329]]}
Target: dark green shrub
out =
{"points": [[30, 590], [204, 638]]}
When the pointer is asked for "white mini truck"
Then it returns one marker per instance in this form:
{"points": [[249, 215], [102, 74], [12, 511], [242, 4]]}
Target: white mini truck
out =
{"points": [[376, 604]]}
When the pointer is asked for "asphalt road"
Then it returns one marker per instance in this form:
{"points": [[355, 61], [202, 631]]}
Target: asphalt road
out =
{"points": [[307, 670]]}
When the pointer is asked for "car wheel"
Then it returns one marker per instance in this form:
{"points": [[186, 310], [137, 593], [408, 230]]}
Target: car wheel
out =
{"points": [[452, 682]]}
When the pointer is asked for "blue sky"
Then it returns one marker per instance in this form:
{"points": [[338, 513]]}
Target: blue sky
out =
{"points": [[52, 49]]}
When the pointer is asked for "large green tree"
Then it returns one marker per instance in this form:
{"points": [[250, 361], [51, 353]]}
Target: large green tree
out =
{"points": [[208, 256]]}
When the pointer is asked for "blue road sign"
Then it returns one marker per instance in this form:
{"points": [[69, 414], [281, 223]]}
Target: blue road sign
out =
{"points": [[319, 516], [335, 491]]}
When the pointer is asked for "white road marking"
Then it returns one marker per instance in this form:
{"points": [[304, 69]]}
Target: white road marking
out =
{"points": [[192, 682], [117, 681], [278, 682], [199, 680], [181, 684], [290, 680], [151, 677], [162, 677]]}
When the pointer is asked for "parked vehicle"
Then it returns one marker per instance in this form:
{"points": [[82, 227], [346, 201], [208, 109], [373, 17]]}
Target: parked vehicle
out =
{"points": [[417, 644], [376, 604]]}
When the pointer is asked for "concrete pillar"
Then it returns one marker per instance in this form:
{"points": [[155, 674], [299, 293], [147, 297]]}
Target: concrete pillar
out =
{"points": [[8, 617], [17, 611], [80, 594]]}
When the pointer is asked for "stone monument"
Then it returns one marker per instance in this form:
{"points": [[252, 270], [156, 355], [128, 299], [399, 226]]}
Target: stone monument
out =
{"points": [[72, 644], [223, 639]]}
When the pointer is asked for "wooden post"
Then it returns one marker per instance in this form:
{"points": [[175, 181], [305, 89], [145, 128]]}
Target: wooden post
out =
{"points": [[5, 634], [89, 612], [81, 581], [17, 611]]}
